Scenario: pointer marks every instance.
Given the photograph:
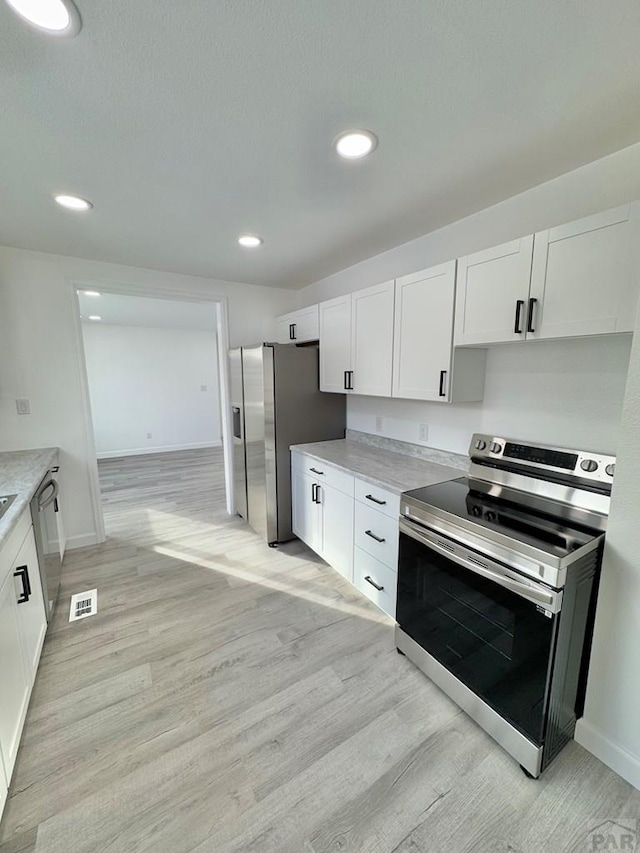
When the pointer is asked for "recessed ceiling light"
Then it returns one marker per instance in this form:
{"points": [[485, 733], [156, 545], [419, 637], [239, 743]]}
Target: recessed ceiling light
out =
{"points": [[354, 144], [250, 241], [55, 17], [92, 293], [73, 202], [95, 317]]}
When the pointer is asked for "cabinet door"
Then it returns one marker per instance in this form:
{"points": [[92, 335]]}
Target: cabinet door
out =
{"points": [[585, 276], [306, 512], [337, 529], [284, 329], [305, 324], [492, 288], [372, 340], [13, 678], [335, 344], [423, 333], [31, 613]]}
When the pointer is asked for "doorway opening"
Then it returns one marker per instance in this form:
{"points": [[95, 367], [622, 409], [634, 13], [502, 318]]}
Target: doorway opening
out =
{"points": [[156, 390]]}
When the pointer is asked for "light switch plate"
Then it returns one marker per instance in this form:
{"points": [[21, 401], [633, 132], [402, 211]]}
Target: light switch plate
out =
{"points": [[23, 406], [423, 432]]}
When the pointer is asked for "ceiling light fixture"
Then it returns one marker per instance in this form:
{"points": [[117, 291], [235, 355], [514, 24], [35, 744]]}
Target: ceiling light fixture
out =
{"points": [[250, 241], [353, 144], [73, 202], [55, 17], [95, 317], [92, 293]]}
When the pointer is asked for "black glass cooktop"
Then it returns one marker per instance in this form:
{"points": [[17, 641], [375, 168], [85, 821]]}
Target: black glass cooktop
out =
{"points": [[464, 499]]}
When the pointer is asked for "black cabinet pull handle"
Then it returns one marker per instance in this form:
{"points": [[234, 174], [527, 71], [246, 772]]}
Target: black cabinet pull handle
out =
{"points": [[375, 585], [375, 500], [23, 573], [516, 325], [318, 501], [373, 536], [346, 378], [292, 331], [441, 391], [350, 372], [314, 486], [532, 306], [315, 471]]}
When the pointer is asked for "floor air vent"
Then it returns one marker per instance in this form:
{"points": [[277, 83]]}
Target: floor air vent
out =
{"points": [[83, 604]]}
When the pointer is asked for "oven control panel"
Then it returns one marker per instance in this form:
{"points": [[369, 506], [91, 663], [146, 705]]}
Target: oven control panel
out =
{"points": [[577, 463]]}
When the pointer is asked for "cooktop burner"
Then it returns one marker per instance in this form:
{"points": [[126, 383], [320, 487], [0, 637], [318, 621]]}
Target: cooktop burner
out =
{"points": [[519, 520]]}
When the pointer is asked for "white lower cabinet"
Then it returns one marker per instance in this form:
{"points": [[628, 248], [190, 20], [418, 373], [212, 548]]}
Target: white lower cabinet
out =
{"points": [[350, 524], [22, 628], [13, 675]]}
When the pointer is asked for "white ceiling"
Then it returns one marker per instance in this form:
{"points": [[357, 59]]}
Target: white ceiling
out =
{"points": [[144, 311], [189, 123]]}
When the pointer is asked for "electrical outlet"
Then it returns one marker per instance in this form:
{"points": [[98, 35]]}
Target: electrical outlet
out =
{"points": [[23, 406], [378, 424], [203, 387], [423, 432], [149, 435]]}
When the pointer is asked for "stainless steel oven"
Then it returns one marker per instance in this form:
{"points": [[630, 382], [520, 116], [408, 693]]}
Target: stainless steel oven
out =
{"points": [[496, 594]]}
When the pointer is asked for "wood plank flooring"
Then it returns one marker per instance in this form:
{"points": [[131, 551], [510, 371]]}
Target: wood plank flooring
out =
{"points": [[230, 697]]}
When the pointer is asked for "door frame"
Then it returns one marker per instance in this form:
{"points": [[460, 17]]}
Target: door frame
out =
{"points": [[222, 334]]}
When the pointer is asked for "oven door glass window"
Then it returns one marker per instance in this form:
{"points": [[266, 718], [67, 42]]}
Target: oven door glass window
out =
{"points": [[497, 643]]}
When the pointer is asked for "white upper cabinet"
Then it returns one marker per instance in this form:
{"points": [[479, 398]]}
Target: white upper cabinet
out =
{"points": [[492, 293], [298, 326], [585, 276], [425, 365], [335, 344], [423, 333], [372, 340]]}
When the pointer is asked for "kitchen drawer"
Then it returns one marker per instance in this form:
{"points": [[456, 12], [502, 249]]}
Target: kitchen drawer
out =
{"points": [[323, 473], [365, 566], [377, 498], [369, 524]]}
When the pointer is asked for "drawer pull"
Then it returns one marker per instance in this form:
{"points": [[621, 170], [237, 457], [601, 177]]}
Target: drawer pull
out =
{"points": [[375, 585], [315, 471], [373, 536], [375, 500]]}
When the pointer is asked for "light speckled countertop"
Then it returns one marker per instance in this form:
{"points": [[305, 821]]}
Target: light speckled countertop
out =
{"points": [[21, 472], [389, 470]]}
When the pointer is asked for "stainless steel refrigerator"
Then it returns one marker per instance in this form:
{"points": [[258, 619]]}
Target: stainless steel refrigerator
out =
{"points": [[275, 402]]}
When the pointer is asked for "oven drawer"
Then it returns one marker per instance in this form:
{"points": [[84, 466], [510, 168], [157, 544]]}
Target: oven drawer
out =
{"points": [[377, 498], [377, 534], [323, 473], [367, 567]]}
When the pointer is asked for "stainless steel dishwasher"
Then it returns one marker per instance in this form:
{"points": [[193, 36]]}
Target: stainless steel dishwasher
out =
{"points": [[48, 530]]}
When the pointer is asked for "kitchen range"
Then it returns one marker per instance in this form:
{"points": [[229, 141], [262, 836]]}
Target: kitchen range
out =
{"points": [[497, 583]]}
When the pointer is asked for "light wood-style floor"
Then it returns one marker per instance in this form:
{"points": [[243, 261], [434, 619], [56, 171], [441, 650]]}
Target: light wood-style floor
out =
{"points": [[229, 697]]}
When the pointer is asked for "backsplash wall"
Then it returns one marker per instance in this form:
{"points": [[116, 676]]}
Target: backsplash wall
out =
{"points": [[565, 393]]}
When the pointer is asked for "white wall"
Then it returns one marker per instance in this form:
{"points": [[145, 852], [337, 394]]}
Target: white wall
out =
{"points": [[562, 393], [147, 380], [611, 725], [566, 393], [40, 354]]}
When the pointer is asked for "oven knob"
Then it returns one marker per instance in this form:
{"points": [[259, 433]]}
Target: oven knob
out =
{"points": [[480, 444], [491, 516], [611, 469], [589, 465], [495, 447]]}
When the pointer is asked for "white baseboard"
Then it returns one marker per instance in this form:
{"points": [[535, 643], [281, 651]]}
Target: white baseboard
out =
{"points": [[167, 448], [82, 540], [609, 752]]}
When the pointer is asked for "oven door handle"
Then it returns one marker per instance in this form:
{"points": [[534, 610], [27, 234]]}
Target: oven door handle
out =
{"points": [[535, 593]]}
